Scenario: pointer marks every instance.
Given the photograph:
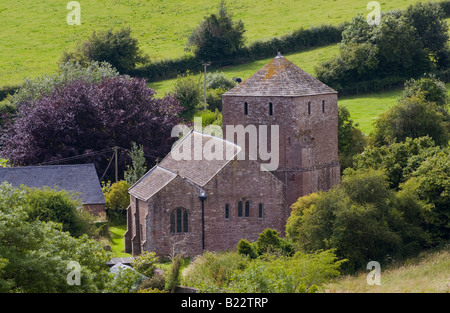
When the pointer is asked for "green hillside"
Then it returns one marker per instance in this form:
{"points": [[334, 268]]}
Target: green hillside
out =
{"points": [[34, 34]]}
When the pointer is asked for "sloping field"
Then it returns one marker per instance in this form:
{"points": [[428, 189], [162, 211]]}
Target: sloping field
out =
{"points": [[34, 34]]}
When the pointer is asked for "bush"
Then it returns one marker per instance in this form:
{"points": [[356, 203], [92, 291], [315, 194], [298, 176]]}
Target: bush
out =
{"points": [[299, 273], [173, 276], [210, 118], [361, 218], [270, 242], [432, 89], [154, 284], [117, 200], [138, 168], [412, 117], [244, 247], [117, 48], [189, 93], [60, 207], [211, 272], [145, 263]]}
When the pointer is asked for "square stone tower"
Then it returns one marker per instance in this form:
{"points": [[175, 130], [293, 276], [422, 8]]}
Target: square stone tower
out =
{"points": [[305, 111]]}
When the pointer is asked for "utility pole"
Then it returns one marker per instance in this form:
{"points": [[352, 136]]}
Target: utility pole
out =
{"points": [[116, 164], [204, 81]]}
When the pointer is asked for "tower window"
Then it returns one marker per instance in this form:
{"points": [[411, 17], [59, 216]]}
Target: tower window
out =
{"points": [[323, 106], [240, 209], [260, 210], [246, 108], [227, 210], [270, 108], [309, 108], [247, 208], [179, 221]]}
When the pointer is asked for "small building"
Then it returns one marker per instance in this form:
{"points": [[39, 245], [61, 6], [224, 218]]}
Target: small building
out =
{"points": [[195, 204], [81, 179]]}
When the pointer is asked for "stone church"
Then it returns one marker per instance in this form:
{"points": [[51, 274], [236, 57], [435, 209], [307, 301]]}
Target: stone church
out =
{"points": [[195, 203]]}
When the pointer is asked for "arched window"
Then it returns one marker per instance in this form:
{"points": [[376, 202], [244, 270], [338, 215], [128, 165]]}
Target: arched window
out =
{"points": [[246, 108], [270, 108], [260, 211], [240, 209], [323, 106], [179, 221], [309, 108], [227, 211], [247, 208]]}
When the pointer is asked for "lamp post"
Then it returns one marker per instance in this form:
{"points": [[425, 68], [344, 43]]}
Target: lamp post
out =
{"points": [[202, 196]]}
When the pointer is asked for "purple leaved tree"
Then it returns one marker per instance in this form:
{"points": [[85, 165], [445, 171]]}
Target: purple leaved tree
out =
{"points": [[87, 117]]}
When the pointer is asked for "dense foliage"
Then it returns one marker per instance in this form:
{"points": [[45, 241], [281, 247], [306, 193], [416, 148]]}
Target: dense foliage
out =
{"points": [[405, 44], [218, 37], [86, 117], [35, 255], [118, 48]]}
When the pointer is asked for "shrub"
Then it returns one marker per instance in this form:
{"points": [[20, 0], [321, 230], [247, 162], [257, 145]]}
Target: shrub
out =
{"points": [[173, 275], [412, 117], [154, 284], [189, 93], [244, 247], [118, 48], [211, 272], [117, 200], [48, 204], [145, 263], [432, 89], [217, 80], [210, 118], [361, 218], [299, 273], [270, 242]]}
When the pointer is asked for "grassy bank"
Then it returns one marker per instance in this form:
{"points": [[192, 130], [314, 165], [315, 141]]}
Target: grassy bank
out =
{"points": [[429, 273], [35, 34]]}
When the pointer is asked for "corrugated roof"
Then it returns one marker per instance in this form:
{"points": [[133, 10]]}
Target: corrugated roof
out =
{"points": [[79, 178], [280, 77]]}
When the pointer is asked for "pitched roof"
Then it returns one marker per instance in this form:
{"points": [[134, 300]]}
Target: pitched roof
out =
{"points": [[78, 178], [280, 77], [205, 157], [181, 161], [149, 184]]}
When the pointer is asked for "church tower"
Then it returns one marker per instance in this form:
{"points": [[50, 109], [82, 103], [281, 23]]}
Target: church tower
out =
{"points": [[306, 113]]}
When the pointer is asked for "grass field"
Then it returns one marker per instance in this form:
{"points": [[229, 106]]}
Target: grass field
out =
{"points": [[428, 273], [34, 34], [117, 240]]}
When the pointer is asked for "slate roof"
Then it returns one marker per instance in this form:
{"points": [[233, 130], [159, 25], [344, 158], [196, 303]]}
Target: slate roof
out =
{"points": [[280, 77], [78, 178], [198, 172]]}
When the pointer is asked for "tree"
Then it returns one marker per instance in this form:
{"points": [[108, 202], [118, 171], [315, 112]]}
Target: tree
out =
{"points": [[428, 19], [430, 183], [47, 205], [217, 37], [35, 255], [117, 200], [67, 73], [189, 93], [139, 168], [412, 117], [398, 160], [87, 117], [351, 140], [118, 48], [362, 218], [432, 89]]}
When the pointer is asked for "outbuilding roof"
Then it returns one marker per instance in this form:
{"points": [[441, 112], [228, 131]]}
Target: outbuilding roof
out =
{"points": [[76, 178]]}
